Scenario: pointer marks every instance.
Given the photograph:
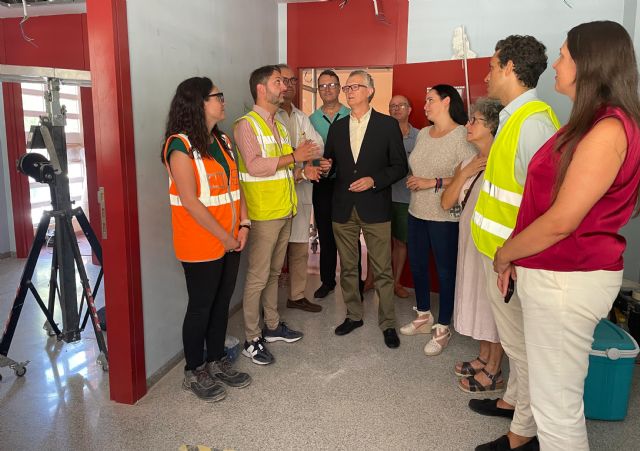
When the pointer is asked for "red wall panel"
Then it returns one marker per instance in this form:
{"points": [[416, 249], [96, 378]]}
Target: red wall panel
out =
{"points": [[412, 81], [59, 42], [323, 35]]}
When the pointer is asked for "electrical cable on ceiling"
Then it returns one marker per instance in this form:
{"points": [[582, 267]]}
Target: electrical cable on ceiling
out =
{"points": [[25, 17]]}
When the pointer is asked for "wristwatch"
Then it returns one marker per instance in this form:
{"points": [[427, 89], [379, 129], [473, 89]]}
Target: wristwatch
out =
{"points": [[245, 224]]}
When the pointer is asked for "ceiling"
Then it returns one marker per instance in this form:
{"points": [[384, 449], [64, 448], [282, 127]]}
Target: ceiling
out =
{"points": [[14, 8]]}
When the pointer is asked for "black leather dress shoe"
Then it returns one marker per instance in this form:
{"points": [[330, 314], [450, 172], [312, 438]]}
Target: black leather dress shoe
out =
{"points": [[502, 444], [490, 408], [323, 291], [391, 338], [347, 326]]}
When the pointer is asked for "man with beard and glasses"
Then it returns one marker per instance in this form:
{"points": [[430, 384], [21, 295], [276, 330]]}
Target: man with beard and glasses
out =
{"points": [[267, 172]]}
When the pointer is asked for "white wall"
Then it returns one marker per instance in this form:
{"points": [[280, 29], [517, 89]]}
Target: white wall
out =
{"points": [[7, 237], [282, 33], [431, 24], [169, 42]]}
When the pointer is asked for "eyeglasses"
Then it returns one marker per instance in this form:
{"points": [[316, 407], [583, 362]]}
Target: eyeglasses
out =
{"points": [[219, 95], [290, 81], [399, 106], [353, 87], [326, 86], [473, 120]]}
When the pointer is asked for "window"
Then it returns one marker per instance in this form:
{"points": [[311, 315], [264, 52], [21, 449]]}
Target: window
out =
{"points": [[33, 106]]}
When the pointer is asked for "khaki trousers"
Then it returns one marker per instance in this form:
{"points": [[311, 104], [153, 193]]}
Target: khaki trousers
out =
{"points": [[298, 257], [267, 247], [561, 311], [510, 327], [378, 239]]}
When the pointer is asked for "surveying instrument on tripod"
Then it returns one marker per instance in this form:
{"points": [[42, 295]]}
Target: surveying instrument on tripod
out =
{"points": [[66, 257]]}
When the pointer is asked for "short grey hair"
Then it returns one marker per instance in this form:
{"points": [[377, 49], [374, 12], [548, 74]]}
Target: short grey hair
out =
{"points": [[490, 109], [368, 79]]}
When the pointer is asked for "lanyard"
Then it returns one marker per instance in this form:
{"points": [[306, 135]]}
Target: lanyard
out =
{"points": [[334, 119]]}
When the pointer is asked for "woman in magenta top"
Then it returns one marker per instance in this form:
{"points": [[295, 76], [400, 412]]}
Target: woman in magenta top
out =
{"points": [[566, 249]]}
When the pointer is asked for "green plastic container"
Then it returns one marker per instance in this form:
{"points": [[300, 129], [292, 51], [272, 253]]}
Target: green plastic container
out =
{"points": [[611, 363]]}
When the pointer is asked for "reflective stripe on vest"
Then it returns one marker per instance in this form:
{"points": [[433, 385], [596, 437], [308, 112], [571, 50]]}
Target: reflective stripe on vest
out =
{"points": [[211, 201], [496, 210], [274, 196], [502, 194], [217, 191]]}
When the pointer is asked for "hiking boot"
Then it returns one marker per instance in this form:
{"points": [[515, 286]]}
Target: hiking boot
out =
{"points": [[203, 386], [222, 370]]}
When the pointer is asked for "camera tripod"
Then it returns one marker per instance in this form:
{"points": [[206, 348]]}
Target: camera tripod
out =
{"points": [[66, 256], [64, 240]]}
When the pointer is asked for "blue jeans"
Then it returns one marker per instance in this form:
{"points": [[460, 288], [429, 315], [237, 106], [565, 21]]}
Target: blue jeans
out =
{"points": [[442, 238]]}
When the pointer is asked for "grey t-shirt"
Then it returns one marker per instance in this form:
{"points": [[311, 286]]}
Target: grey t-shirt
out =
{"points": [[399, 191], [436, 157]]}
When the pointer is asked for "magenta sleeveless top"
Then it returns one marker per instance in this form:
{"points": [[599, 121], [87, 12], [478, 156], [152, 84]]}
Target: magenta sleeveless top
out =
{"points": [[596, 244]]}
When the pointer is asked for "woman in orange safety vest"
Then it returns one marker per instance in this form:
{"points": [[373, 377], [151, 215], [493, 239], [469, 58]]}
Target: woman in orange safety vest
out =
{"points": [[210, 229]]}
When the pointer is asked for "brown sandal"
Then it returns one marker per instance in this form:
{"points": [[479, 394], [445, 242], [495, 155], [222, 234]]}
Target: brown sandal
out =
{"points": [[497, 383], [467, 369]]}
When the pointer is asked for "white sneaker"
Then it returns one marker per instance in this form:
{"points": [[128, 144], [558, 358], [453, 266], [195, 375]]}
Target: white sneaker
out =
{"points": [[421, 325], [439, 340]]}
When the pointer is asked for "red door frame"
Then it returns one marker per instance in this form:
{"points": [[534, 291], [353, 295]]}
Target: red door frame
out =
{"points": [[107, 47], [16, 146], [113, 121]]}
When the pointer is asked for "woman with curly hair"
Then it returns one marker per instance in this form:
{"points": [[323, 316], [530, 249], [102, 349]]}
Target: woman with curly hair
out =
{"points": [[472, 307], [210, 229]]}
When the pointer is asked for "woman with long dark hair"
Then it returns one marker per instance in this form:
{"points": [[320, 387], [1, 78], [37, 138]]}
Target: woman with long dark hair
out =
{"points": [[210, 229], [566, 248], [439, 149]]}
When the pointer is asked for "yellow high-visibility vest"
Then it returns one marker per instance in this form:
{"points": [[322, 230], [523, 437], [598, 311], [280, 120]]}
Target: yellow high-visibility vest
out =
{"points": [[274, 196], [496, 211]]}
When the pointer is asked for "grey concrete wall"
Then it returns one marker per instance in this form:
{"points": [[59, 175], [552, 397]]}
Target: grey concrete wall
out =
{"points": [[170, 41]]}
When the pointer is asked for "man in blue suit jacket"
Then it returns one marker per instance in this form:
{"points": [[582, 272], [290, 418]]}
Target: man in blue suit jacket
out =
{"points": [[368, 157]]}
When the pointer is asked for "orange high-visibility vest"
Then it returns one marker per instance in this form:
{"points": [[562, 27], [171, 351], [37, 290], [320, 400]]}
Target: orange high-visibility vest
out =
{"points": [[221, 196]]}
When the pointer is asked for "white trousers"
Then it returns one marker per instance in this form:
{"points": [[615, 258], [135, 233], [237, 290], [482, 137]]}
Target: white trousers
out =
{"points": [[560, 312], [508, 319]]}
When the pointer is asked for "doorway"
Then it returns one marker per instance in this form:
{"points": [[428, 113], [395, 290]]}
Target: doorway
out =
{"points": [[382, 80]]}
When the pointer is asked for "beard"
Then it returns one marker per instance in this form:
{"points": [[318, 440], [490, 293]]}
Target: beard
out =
{"points": [[274, 99]]}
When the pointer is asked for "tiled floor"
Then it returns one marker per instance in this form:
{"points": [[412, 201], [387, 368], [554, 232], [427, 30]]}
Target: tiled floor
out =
{"points": [[324, 392]]}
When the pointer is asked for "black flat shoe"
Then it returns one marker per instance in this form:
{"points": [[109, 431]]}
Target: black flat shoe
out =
{"points": [[322, 292], [502, 444], [490, 408], [347, 326], [391, 338]]}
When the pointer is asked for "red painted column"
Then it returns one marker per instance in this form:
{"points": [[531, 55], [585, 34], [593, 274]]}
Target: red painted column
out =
{"points": [[16, 147], [113, 120], [91, 163]]}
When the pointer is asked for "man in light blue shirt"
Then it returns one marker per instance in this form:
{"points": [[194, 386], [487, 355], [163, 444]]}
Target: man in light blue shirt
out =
{"points": [[400, 108]]}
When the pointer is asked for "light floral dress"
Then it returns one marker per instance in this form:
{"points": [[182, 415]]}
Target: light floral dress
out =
{"points": [[472, 314]]}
